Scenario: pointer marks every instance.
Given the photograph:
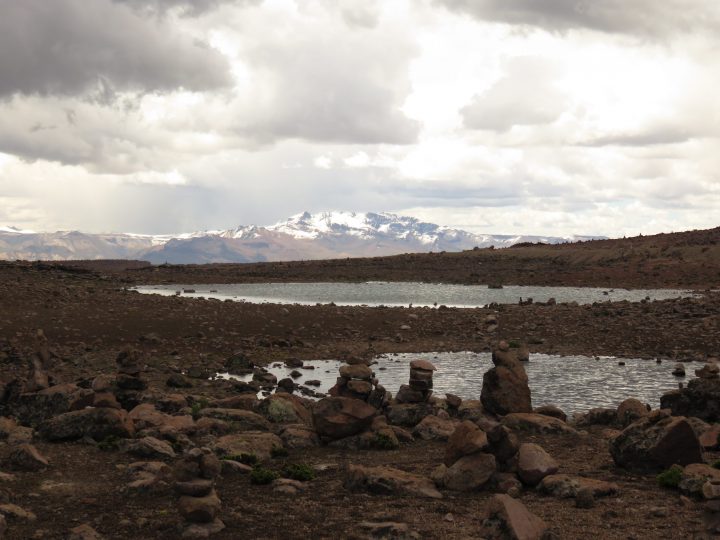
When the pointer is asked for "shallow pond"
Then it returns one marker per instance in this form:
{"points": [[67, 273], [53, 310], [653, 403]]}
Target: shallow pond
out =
{"points": [[573, 383], [377, 293]]}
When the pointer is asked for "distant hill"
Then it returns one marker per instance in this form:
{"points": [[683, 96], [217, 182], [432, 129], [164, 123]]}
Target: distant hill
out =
{"points": [[304, 236]]}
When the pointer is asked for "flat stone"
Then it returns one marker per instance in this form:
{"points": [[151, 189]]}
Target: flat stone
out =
{"points": [[508, 518], [470, 472], [389, 481], [565, 486]]}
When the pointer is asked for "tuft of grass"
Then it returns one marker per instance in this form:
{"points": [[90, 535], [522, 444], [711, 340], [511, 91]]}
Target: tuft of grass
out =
{"points": [[383, 442], [109, 443], [261, 476], [671, 477], [514, 344], [198, 406], [299, 471], [278, 452]]}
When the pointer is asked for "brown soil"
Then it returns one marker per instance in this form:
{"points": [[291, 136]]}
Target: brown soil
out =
{"points": [[89, 317]]}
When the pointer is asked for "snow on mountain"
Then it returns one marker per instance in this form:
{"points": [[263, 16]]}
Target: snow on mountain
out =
{"points": [[302, 236]]}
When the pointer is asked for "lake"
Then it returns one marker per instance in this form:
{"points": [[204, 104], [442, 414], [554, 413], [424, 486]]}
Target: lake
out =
{"points": [[380, 293], [573, 383]]}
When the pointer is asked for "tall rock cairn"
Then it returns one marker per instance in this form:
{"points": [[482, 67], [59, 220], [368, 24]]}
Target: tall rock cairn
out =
{"points": [[419, 387]]}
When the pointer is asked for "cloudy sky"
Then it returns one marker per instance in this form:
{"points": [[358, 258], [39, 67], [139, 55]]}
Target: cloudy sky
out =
{"points": [[498, 116]]}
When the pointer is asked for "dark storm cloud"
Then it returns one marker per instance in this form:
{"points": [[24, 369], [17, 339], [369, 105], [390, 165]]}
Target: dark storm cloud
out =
{"points": [[188, 7], [640, 17], [64, 47]]}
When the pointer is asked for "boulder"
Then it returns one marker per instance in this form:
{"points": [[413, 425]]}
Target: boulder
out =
{"points": [[467, 439], [242, 420], [299, 436], [509, 519], [504, 443], [199, 509], [389, 481], [631, 410], [700, 398], [694, 477], [598, 416], [470, 472], [534, 464], [710, 438], [256, 443], [27, 458], [338, 417], [408, 414], [656, 442], [537, 423], [505, 387], [434, 428], [150, 447], [97, 423]]}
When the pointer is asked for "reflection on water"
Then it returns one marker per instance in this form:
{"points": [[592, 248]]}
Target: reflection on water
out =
{"points": [[573, 383], [378, 293]]}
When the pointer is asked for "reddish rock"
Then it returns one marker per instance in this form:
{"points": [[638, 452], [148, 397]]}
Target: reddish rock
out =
{"points": [[656, 442], [467, 439], [710, 438], [97, 423], [631, 410], [470, 472], [434, 428], [508, 519], [257, 443], [534, 464], [338, 417], [389, 481], [27, 458], [423, 365], [505, 387], [564, 486]]}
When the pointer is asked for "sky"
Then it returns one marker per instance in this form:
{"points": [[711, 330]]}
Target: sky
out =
{"points": [[551, 117]]}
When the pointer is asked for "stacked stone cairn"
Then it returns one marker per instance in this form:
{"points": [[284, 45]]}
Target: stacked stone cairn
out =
{"points": [[357, 381], [420, 385], [129, 380], [199, 505]]}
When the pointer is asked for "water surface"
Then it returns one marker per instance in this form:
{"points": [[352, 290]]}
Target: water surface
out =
{"points": [[574, 383], [377, 293]]}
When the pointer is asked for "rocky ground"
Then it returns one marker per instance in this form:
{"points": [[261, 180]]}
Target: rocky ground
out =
{"points": [[144, 444]]}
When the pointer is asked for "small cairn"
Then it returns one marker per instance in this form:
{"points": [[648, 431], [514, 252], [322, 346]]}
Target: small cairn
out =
{"points": [[709, 371], [420, 385], [199, 503], [129, 380], [357, 381]]}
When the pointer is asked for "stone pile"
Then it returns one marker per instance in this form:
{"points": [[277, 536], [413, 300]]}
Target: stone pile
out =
{"points": [[505, 387], [420, 385], [199, 504], [129, 380], [357, 381]]}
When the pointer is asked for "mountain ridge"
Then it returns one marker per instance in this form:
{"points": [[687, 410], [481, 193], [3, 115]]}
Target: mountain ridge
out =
{"points": [[323, 235]]}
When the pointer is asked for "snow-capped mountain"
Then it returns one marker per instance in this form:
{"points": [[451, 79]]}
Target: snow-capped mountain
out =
{"points": [[303, 236]]}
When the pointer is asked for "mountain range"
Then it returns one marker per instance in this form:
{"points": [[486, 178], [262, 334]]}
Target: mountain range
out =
{"points": [[303, 236]]}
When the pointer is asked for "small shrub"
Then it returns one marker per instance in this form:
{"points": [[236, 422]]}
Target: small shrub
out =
{"points": [[300, 471], [671, 477], [109, 443], [198, 406], [514, 344], [278, 452], [716, 465], [384, 442], [261, 476], [246, 459]]}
